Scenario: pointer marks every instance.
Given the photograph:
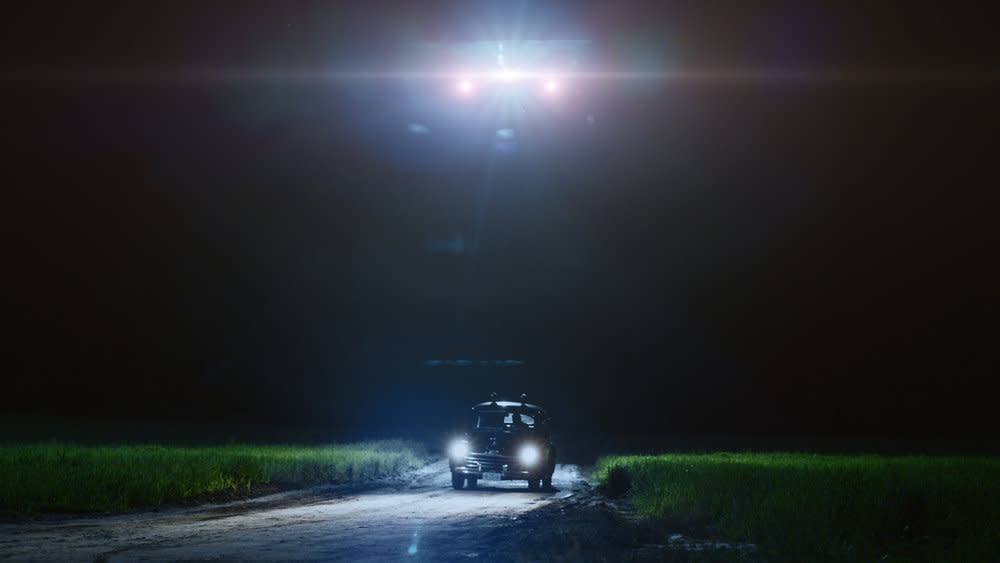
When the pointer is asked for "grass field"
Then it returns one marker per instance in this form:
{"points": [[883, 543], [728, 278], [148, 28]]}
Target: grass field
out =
{"points": [[66, 477], [824, 507]]}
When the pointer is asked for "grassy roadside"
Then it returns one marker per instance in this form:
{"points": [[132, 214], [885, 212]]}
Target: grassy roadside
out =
{"points": [[65, 477], [808, 507]]}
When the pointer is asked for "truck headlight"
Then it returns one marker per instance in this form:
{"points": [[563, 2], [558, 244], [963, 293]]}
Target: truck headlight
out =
{"points": [[529, 454], [458, 449]]}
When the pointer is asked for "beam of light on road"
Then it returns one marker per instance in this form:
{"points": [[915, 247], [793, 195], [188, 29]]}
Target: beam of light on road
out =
{"points": [[412, 550], [322, 525]]}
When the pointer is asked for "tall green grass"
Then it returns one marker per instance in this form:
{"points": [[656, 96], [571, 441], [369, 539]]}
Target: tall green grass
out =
{"points": [[78, 478], [808, 507]]}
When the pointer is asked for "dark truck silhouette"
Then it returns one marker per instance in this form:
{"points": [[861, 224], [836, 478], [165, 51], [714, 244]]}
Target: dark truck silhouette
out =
{"points": [[508, 440]]}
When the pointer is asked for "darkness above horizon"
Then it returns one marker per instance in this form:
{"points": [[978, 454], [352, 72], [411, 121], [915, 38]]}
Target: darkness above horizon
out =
{"points": [[755, 255]]}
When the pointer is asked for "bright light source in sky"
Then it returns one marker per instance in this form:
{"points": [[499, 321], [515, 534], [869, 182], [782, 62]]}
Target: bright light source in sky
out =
{"points": [[508, 75]]}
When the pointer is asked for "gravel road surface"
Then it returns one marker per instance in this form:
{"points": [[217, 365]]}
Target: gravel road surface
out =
{"points": [[418, 517]]}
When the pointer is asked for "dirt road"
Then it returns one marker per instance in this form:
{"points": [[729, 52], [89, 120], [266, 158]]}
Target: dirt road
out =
{"points": [[418, 518]]}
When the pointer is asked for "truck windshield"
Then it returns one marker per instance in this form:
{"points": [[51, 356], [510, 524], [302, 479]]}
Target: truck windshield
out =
{"points": [[501, 419], [491, 419]]}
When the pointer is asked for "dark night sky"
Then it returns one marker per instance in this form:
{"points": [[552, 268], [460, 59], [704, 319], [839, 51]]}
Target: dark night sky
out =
{"points": [[743, 255]]}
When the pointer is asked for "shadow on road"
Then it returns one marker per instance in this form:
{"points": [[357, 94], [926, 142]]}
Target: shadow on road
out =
{"points": [[501, 489]]}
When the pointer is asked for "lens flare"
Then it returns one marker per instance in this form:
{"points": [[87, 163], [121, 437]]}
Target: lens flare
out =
{"points": [[412, 550], [529, 454], [458, 449]]}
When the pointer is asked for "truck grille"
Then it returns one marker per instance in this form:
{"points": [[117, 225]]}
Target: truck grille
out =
{"points": [[488, 462]]}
